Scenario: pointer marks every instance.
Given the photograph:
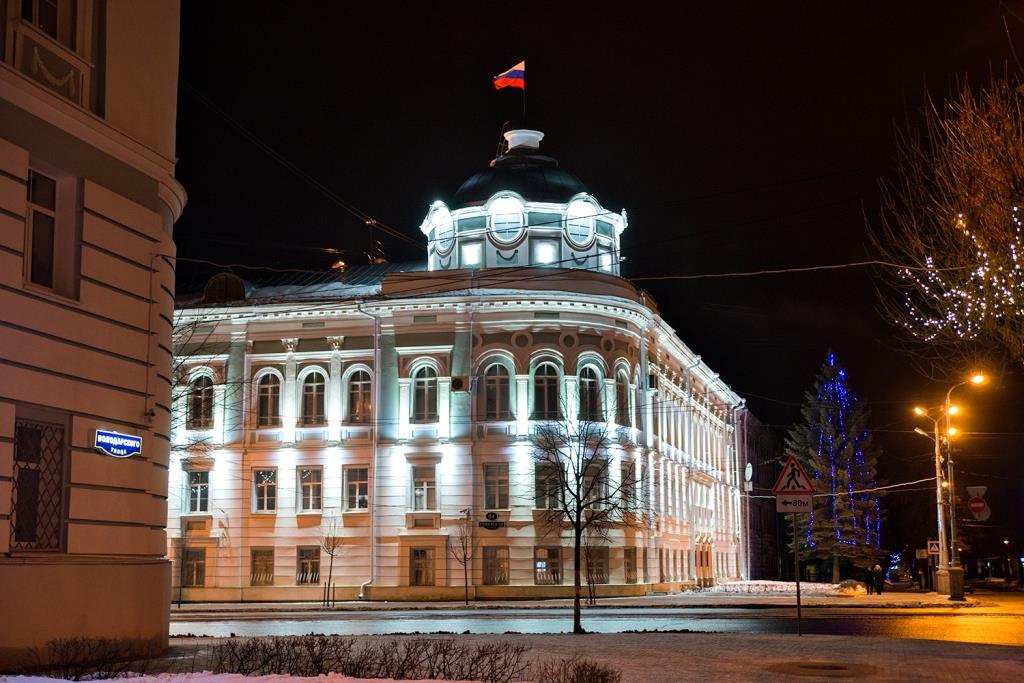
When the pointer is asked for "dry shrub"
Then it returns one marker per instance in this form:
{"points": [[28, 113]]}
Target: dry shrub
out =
{"points": [[575, 670]]}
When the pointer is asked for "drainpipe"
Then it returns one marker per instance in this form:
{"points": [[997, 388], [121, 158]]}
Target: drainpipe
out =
{"points": [[375, 415]]}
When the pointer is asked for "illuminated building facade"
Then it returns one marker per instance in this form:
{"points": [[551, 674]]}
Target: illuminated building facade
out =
{"points": [[88, 92], [374, 410]]}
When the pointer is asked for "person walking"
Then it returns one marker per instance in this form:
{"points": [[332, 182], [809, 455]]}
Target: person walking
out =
{"points": [[870, 580], [879, 579]]}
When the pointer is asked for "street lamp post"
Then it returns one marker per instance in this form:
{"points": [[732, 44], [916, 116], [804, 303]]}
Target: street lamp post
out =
{"points": [[949, 578]]}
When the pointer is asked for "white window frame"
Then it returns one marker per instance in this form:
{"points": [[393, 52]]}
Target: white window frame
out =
{"points": [[262, 380], [554, 380], [199, 504], [205, 398], [362, 488], [424, 395], [591, 385], [362, 389], [264, 494], [576, 223], [496, 486], [495, 376], [423, 493], [311, 490], [305, 419]]}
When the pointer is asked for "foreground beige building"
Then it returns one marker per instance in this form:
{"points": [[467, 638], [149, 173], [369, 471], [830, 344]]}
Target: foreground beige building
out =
{"points": [[378, 409], [87, 201]]}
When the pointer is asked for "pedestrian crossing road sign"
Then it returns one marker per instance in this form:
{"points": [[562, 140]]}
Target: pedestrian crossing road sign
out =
{"points": [[793, 479], [933, 547]]}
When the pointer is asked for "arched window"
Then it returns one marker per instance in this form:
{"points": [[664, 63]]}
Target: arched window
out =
{"points": [[622, 399], [268, 401], [200, 403], [545, 392], [506, 218], [359, 401], [496, 393], [424, 397], [590, 395], [314, 388], [579, 222]]}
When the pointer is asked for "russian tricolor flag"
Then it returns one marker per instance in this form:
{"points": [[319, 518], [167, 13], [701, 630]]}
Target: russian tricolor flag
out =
{"points": [[513, 78]]}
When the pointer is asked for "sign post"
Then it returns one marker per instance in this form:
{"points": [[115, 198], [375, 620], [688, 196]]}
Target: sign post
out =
{"points": [[793, 490]]}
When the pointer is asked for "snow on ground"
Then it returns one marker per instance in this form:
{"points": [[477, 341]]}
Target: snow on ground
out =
{"points": [[787, 587], [207, 677]]}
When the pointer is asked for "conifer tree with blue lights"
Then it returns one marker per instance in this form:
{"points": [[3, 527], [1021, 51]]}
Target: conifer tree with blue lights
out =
{"points": [[834, 446]]}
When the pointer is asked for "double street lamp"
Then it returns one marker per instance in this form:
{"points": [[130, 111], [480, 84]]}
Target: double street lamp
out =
{"points": [[949, 578]]}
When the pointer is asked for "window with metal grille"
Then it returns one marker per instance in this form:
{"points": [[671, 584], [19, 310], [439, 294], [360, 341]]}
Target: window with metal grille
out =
{"points": [[545, 392], [37, 486], [496, 565], [547, 486], [547, 566], [264, 484], [193, 567], [200, 403], [629, 560], [268, 401], [424, 405], [596, 558], [261, 568], [590, 395], [421, 566], [496, 393], [308, 570], [359, 400], [424, 487], [199, 491], [313, 392], [496, 486], [357, 488], [311, 486]]}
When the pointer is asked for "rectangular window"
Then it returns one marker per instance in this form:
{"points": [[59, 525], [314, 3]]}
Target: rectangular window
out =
{"points": [[424, 487], [595, 485], [56, 18], [496, 486], [37, 486], [51, 247], [547, 566], [311, 489], [264, 484], [629, 560], [496, 565], [627, 488], [421, 566], [308, 570], [199, 491], [42, 217], [193, 567], [357, 488], [547, 486], [596, 558], [261, 568]]}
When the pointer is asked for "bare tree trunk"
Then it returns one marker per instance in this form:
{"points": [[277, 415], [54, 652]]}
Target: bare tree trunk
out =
{"points": [[330, 573], [465, 580], [835, 569], [577, 625]]}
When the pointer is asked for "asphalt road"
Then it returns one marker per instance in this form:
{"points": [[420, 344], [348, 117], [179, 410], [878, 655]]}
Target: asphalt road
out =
{"points": [[999, 620]]}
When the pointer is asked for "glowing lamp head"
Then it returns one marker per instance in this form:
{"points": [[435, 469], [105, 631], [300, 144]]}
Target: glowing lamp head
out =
{"points": [[945, 484], [953, 410], [978, 379], [918, 410], [952, 431]]}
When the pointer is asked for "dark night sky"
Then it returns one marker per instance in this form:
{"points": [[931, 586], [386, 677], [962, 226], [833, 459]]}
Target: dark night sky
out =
{"points": [[738, 139]]}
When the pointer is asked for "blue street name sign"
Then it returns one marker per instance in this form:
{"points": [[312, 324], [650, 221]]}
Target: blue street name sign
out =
{"points": [[117, 444]]}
